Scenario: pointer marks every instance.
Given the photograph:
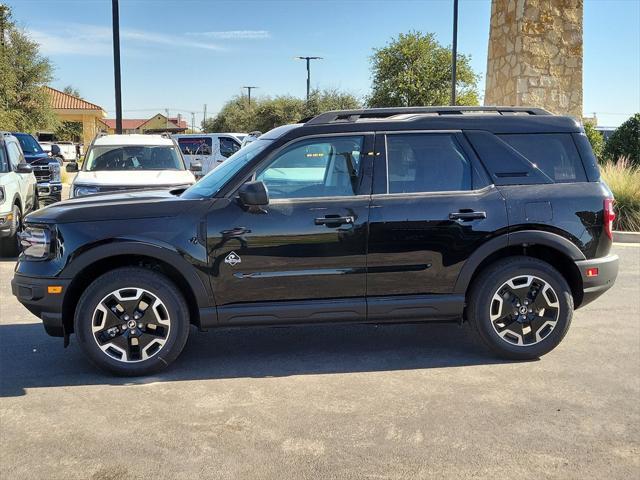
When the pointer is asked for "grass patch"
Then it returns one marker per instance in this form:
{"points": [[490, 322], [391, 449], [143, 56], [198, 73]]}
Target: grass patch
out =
{"points": [[624, 181]]}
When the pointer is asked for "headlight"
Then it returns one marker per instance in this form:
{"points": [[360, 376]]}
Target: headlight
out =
{"points": [[35, 242], [1, 194], [54, 169], [82, 190]]}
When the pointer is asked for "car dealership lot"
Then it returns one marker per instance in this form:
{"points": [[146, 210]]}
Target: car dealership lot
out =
{"points": [[404, 401]]}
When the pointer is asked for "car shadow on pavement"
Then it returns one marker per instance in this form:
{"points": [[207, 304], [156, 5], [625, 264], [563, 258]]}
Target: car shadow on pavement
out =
{"points": [[31, 359]]}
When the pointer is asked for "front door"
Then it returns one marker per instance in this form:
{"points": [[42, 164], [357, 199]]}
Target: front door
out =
{"points": [[432, 207], [303, 256]]}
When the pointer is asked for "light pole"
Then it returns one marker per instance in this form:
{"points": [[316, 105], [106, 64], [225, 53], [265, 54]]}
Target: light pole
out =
{"points": [[308, 59], [249, 93], [116, 62], [454, 52]]}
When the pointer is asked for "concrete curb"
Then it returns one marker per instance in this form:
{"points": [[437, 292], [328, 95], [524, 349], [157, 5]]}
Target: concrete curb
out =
{"points": [[626, 237]]}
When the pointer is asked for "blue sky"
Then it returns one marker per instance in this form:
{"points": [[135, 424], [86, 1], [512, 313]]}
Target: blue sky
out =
{"points": [[179, 55]]}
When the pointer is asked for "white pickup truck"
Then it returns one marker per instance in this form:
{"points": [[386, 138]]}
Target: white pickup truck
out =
{"points": [[66, 151], [18, 193]]}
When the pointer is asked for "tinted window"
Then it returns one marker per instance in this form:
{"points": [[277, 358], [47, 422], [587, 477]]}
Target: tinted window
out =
{"points": [[133, 157], [553, 153], [319, 167], [4, 163], [228, 146], [29, 144], [195, 145], [426, 163]]}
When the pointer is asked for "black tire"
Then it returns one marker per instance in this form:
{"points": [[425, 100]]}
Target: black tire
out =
{"points": [[482, 305], [10, 246], [122, 279]]}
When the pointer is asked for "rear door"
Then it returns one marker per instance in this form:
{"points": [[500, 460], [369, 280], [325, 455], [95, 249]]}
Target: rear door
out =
{"points": [[303, 256], [431, 208]]}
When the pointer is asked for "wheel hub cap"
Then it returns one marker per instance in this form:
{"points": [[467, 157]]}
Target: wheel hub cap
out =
{"points": [[524, 310], [131, 324]]}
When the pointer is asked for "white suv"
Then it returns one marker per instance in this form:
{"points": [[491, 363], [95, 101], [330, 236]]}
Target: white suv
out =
{"points": [[131, 162], [18, 193]]}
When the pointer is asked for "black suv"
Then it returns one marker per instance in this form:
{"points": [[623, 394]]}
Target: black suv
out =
{"points": [[497, 216]]}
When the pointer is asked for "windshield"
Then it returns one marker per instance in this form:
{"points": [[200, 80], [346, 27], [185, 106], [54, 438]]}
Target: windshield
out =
{"points": [[133, 157], [215, 179], [28, 144]]}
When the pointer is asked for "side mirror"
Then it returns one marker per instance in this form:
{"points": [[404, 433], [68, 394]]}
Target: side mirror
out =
{"points": [[195, 166], [24, 168], [55, 150], [254, 194], [72, 167]]}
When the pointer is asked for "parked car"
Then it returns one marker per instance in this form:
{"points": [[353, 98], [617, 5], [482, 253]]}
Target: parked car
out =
{"points": [[130, 162], [18, 193], [493, 216], [45, 168], [64, 151], [209, 149]]}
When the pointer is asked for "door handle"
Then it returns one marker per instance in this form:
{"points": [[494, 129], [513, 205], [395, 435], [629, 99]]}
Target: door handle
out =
{"points": [[467, 215], [333, 220]]}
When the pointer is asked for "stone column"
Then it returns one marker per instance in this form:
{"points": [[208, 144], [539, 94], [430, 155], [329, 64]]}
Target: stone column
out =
{"points": [[535, 55]]}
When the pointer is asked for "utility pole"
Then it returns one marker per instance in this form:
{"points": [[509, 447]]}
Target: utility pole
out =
{"points": [[204, 115], [454, 52], [308, 59], [249, 93], [116, 63], [4, 19], [166, 118], [193, 122]]}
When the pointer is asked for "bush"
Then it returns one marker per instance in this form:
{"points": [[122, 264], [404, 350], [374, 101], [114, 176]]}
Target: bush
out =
{"points": [[625, 142], [623, 179], [595, 139]]}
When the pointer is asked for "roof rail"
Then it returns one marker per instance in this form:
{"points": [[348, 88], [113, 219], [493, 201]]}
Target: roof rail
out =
{"points": [[346, 116]]}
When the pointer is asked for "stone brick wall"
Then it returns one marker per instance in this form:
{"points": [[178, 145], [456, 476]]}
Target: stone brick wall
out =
{"points": [[535, 55]]}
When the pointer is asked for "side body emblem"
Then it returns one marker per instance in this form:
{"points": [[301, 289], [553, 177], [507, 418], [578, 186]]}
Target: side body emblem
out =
{"points": [[233, 259]]}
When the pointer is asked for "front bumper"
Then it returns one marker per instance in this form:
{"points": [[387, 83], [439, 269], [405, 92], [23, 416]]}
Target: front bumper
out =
{"points": [[6, 223], [47, 189], [34, 294], [594, 286]]}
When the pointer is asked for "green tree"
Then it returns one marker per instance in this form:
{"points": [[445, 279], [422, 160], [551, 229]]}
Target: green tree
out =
{"points": [[595, 139], [69, 131], [71, 90], [266, 113], [625, 142], [24, 105], [415, 70]]}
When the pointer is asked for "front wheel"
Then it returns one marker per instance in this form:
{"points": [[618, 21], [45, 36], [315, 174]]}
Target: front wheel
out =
{"points": [[10, 245], [132, 321], [520, 307]]}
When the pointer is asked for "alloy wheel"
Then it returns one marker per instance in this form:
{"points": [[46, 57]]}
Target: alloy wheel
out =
{"points": [[131, 324], [524, 310]]}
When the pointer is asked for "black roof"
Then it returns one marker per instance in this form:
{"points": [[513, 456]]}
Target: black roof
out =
{"points": [[493, 119]]}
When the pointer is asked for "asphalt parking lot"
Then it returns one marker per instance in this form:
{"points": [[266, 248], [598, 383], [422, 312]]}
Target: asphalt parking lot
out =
{"points": [[410, 401]]}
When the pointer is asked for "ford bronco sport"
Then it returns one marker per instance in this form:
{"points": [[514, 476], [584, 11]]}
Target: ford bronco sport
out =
{"points": [[496, 216]]}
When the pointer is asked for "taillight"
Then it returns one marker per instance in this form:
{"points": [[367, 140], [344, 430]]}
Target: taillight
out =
{"points": [[609, 217]]}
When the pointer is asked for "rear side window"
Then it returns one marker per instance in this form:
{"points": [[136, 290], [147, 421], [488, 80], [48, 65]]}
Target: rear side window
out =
{"points": [[553, 153], [426, 163], [195, 145]]}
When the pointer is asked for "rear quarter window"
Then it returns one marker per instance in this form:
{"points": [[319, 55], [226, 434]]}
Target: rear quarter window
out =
{"points": [[553, 153]]}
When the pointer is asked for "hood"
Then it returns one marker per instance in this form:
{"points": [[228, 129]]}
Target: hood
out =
{"points": [[39, 159], [137, 178], [113, 206]]}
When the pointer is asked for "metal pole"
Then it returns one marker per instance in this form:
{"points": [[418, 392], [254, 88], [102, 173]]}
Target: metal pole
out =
{"points": [[193, 122], [454, 52], [204, 115], [249, 94], [116, 63], [308, 59]]}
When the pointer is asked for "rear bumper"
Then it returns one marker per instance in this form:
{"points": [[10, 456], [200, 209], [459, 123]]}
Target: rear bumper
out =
{"points": [[594, 286], [32, 292]]}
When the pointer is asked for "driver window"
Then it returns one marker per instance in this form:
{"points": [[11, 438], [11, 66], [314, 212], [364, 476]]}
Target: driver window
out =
{"points": [[318, 167], [14, 155]]}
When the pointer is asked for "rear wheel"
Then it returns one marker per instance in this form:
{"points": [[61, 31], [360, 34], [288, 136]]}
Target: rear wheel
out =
{"points": [[10, 246], [132, 321], [520, 307]]}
